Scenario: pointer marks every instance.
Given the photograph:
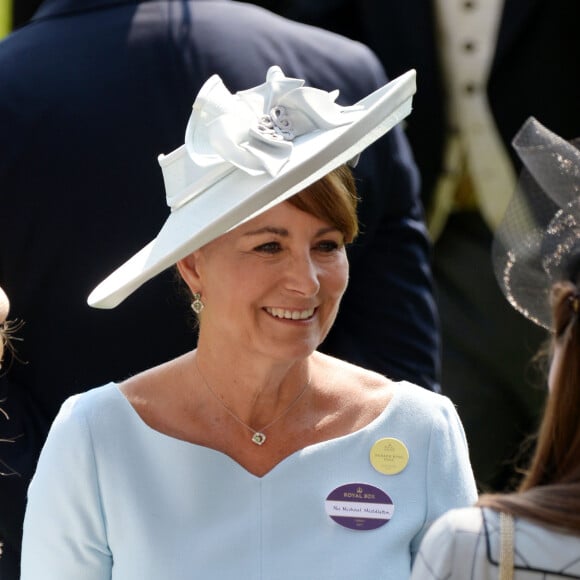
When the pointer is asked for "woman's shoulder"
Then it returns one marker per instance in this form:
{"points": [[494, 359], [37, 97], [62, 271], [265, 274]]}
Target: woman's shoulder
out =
{"points": [[349, 373], [458, 526], [408, 397], [453, 547], [475, 533], [343, 372], [81, 416], [421, 404], [542, 548], [93, 395], [373, 394], [84, 405], [465, 520]]}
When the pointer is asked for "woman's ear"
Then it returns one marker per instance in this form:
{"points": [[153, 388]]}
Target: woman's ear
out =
{"points": [[188, 269]]}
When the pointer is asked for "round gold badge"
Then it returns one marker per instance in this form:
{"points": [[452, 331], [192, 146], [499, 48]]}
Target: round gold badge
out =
{"points": [[389, 456]]}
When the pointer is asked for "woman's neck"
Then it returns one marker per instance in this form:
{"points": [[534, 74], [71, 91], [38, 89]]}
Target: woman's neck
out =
{"points": [[254, 389]]}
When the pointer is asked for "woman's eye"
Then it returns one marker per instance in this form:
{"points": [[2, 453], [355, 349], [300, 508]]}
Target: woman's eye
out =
{"points": [[327, 245], [268, 248]]}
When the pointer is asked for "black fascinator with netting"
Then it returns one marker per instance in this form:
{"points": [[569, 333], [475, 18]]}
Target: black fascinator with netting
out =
{"points": [[538, 241]]}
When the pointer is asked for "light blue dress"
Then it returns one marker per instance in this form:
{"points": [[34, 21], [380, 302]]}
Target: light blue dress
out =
{"points": [[114, 499]]}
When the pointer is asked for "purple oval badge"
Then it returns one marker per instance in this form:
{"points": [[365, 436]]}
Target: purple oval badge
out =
{"points": [[359, 506]]}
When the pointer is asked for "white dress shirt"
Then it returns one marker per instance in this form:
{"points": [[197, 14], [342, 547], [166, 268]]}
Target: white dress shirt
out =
{"points": [[466, 34]]}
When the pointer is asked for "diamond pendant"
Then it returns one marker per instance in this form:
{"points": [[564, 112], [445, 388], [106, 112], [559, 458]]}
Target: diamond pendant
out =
{"points": [[258, 438]]}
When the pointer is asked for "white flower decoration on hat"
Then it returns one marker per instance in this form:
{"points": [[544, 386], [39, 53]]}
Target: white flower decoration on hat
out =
{"points": [[254, 129]]}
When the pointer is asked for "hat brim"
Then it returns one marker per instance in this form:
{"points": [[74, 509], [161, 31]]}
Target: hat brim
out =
{"points": [[238, 196]]}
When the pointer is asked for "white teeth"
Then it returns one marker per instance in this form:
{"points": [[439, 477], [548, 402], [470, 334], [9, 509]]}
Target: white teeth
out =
{"points": [[291, 314]]}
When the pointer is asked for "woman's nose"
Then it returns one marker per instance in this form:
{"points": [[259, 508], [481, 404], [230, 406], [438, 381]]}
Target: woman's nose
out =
{"points": [[303, 275]]}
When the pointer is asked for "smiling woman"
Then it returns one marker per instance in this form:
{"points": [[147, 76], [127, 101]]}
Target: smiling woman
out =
{"points": [[253, 456]]}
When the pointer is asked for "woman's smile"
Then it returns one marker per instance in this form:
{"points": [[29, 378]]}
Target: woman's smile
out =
{"points": [[290, 314]]}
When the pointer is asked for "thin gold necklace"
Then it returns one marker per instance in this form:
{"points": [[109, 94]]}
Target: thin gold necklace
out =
{"points": [[258, 437]]}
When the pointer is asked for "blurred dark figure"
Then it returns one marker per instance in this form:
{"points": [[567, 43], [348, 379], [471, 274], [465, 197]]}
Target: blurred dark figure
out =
{"points": [[92, 91], [22, 11], [483, 67]]}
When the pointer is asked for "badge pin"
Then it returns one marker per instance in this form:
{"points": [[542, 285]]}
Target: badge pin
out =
{"points": [[389, 456], [359, 506]]}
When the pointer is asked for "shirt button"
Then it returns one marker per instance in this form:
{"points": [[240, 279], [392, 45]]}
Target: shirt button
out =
{"points": [[470, 88], [468, 46], [468, 4]]}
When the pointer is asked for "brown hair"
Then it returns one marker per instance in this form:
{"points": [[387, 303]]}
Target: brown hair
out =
{"points": [[549, 493], [332, 199]]}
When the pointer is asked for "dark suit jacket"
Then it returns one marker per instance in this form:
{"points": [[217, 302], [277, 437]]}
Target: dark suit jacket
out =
{"points": [[91, 92], [22, 11], [534, 72]]}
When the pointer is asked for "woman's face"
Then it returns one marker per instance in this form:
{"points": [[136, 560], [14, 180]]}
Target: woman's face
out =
{"points": [[4, 309], [272, 285]]}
